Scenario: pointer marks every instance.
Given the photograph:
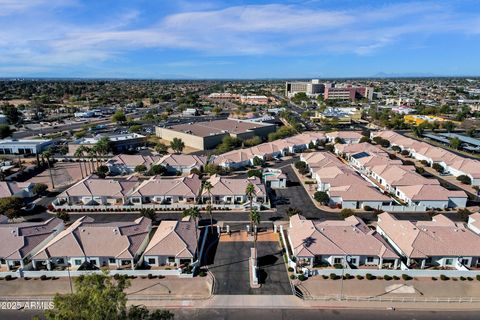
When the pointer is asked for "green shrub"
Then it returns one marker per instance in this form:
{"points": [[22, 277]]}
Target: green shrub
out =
{"points": [[463, 278], [302, 277], [293, 277], [406, 277], [396, 278], [369, 276], [469, 278], [338, 266], [359, 277], [444, 277], [333, 276], [290, 269], [202, 274], [325, 277], [434, 279], [387, 277], [345, 213]]}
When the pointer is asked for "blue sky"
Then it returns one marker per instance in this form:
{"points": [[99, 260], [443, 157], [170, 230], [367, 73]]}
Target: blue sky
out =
{"points": [[238, 39]]}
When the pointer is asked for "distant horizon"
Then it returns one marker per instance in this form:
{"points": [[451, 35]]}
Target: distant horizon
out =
{"points": [[238, 39], [18, 78]]}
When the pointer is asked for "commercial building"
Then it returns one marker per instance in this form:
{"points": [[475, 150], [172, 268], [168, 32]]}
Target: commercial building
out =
{"points": [[417, 119], [348, 93], [119, 142], [339, 115], [255, 100], [311, 88], [23, 147], [223, 96], [208, 134]]}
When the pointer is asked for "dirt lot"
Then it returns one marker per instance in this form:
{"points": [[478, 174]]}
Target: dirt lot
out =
{"points": [[426, 287], [171, 287], [64, 173]]}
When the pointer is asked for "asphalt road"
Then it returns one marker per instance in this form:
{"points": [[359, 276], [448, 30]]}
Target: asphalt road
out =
{"points": [[231, 271], [296, 196], [278, 314]]}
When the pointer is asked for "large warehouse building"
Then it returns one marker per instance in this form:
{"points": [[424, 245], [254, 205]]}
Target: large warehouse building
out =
{"points": [[208, 134]]}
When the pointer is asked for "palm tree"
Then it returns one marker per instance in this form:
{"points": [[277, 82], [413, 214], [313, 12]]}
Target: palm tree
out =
{"points": [[207, 186], [177, 145], [91, 154], [78, 154], [193, 213], [149, 213], [250, 191], [104, 145], [255, 221], [96, 154], [47, 155]]}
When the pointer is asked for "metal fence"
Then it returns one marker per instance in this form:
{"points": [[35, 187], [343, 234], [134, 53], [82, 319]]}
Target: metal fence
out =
{"points": [[77, 273]]}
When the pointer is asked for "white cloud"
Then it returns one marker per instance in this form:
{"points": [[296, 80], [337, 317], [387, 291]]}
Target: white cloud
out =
{"points": [[272, 29], [8, 7]]}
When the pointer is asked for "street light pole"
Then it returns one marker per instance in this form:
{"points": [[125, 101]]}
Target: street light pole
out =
{"points": [[69, 277], [343, 273]]}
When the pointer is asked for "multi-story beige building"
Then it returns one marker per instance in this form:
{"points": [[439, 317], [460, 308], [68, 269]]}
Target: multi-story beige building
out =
{"points": [[313, 87]]}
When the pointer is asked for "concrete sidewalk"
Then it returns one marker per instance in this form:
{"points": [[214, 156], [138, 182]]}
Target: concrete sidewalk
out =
{"points": [[292, 302]]}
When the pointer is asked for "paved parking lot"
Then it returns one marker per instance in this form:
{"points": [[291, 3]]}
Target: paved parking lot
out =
{"points": [[295, 195], [230, 268]]}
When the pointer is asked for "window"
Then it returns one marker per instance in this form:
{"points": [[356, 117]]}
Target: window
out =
{"points": [[337, 260], [78, 262], [448, 262], [111, 260], [151, 261], [94, 262], [353, 260], [369, 259], [171, 259], [60, 261]]}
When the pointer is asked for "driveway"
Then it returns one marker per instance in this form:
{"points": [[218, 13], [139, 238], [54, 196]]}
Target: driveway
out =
{"points": [[231, 272], [295, 195]]}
